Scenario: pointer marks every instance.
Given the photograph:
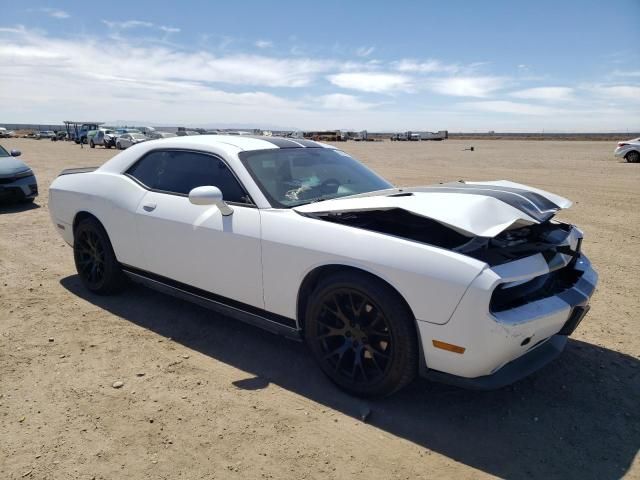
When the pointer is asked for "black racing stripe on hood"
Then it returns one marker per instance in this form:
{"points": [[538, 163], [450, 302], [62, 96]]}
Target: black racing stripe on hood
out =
{"points": [[533, 196], [533, 204], [279, 142], [307, 143]]}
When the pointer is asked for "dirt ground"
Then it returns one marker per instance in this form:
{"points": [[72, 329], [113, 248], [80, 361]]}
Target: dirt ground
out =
{"points": [[205, 397]]}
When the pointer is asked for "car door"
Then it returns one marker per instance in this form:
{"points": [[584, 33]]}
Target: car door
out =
{"points": [[195, 244]]}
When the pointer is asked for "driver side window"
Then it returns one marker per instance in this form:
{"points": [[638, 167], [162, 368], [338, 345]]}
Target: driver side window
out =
{"points": [[178, 172]]}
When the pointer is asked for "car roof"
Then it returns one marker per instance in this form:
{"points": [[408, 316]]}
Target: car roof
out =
{"points": [[228, 145], [246, 142]]}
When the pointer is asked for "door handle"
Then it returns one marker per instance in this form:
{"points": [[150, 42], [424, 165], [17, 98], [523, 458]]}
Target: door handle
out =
{"points": [[149, 207]]}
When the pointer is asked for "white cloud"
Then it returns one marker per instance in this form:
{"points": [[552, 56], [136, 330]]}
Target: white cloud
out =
{"points": [[467, 86], [545, 93], [127, 24], [626, 73], [430, 66], [168, 30], [52, 12], [618, 92], [46, 78], [365, 51], [371, 81], [340, 101], [264, 44], [503, 106]]}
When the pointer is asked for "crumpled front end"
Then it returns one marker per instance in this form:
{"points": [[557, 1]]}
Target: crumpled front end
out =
{"points": [[514, 308]]}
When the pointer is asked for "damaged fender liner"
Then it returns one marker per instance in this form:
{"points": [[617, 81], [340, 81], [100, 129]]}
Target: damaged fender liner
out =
{"points": [[400, 223]]}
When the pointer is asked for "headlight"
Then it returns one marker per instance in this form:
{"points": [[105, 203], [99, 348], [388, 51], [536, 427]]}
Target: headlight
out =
{"points": [[26, 173]]}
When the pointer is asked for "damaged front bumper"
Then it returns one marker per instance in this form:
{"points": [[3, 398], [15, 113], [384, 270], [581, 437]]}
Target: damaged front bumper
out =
{"points": [[519, 336]]}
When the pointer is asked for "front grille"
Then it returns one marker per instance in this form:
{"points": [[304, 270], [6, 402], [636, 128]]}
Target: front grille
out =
{"points": [[541, 287], [5, 181]]}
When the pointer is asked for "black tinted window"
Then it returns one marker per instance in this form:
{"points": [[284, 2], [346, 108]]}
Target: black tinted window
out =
{"points": [[180, 172]]}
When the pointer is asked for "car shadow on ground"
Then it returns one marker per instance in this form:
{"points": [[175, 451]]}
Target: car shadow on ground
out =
{"points": [[577, 418], [17, 207]]}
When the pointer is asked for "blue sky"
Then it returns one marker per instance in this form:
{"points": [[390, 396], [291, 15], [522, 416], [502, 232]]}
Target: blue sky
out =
{"points": [[461, 66]]}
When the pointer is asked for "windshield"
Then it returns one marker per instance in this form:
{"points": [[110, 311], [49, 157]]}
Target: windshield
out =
{"points": [[137, 136], [3, 152], [294, 176]]}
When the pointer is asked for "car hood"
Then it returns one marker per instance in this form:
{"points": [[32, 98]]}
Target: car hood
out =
{"points": [[475, 209], [11, 166]]}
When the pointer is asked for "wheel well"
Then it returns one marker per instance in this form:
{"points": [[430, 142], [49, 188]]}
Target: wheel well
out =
{"points": [[313, 278], [81, 216]]}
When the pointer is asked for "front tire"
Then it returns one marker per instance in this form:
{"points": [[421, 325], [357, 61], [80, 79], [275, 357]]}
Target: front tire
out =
{"points": [[95, 260], [92, 145], [362, 334], [633, 157]]}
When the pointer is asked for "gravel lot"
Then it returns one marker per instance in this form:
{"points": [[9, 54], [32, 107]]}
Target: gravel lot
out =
{"points": [[205, 397]]}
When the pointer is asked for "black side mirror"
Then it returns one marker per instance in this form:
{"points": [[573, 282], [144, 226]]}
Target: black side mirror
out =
{"points": [[16, 153]]}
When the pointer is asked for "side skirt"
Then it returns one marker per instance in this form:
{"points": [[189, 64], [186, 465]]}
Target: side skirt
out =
{"points": [[246, 313]]}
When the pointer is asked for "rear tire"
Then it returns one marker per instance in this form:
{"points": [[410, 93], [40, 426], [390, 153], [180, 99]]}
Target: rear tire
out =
{"points": [[633, 157], [92, 145], [95, 260], [362, 334]]}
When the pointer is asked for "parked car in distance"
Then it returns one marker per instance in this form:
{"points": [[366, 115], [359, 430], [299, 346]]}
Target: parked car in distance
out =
{"points": [[4, 133], [46, 134], [629, 150], [83, 132], [122, 131], [146, 131], [158, 135], [17, 181], [105, 137], [90, 136], [128, 139], [471, 283], [59, 135]]}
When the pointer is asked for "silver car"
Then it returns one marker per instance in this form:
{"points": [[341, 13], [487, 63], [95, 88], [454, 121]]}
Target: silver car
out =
{"points": [[17, 181], [106, 138], [128, 139], [629, 150]]}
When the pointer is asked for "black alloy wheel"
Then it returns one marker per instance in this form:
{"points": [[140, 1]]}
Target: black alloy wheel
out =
{"points": [[95, 260], [633, 157], [362, 335], [355, 338], [90, 256]]}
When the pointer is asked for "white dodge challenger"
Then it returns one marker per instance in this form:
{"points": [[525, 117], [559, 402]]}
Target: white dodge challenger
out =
{"points": [[471, 283]]}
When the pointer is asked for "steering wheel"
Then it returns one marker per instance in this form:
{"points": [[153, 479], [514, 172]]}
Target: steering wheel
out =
{"points": [[330, 185]]}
